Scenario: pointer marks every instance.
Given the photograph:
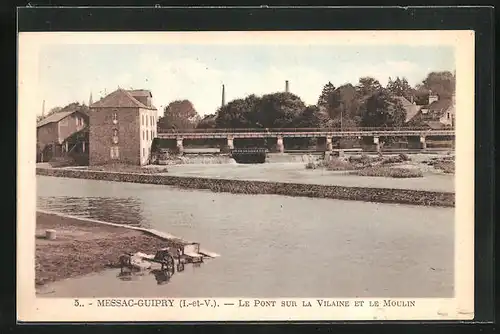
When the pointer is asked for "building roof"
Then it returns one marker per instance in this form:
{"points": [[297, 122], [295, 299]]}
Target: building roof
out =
{"points": [[439, 106], [410, 108], [61, 114], [140, 92], [56, 117], [435, 125], [120, 98]]}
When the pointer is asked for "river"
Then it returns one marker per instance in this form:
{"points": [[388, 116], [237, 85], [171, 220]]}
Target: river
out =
{"points": [[270, 246]]}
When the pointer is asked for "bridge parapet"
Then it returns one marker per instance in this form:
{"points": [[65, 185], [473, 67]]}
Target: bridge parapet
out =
{"points": [[311, 133]]}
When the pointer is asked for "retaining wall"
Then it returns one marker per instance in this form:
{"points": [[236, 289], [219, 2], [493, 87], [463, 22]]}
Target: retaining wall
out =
{"points": [[381, 195]]}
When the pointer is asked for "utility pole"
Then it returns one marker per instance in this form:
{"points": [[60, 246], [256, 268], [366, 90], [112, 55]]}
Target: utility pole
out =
{"points": [[341, 112]]}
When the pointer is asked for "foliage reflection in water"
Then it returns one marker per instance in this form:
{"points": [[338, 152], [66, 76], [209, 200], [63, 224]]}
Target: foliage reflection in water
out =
{"points": [[110, 209]]}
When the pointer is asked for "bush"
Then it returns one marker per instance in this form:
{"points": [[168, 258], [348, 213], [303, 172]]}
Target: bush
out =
{"points": [[392, 160], [311, 165], [404, 157], [388, 172], [446, 166], [364, 159], [338, 164], [334, 164]]}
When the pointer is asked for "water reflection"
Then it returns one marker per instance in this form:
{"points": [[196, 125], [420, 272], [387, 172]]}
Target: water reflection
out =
{"points": [[129, 275], [162, 276], [111, 209]]}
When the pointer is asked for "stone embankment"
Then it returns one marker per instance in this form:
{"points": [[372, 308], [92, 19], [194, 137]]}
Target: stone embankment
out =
{"points": [[381, 195]]}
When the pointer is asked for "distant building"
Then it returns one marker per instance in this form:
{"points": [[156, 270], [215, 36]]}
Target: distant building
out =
{"points": [[437, 114], [122, 128], [411, 108], [54, 131]]}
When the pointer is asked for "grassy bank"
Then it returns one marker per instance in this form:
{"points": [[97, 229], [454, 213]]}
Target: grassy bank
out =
{"points": [[393, 166], [381, 195], [83, 247], [384, 171]]}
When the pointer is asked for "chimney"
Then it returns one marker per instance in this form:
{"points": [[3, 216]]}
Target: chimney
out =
{"points": [[411, 100], [90, 99], [287, 87], [43, 108], [223, 96], [433, 97]]}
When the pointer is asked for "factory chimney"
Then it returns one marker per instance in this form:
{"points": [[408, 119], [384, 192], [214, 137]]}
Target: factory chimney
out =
{"points": [[43, 108], [287, 87], [223, 96]]}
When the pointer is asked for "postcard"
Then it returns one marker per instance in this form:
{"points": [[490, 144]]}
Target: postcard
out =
{"points": [[245, 176]]}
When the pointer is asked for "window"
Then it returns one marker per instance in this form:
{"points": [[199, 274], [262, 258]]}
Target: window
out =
{"points": [[115, 136], [151, 120], [77, 119], [143, 135], [143, 152], [115, 118], [115, 152], [151, 134], [147, 135]]}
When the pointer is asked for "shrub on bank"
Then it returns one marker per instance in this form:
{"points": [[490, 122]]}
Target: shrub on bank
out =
{"points": [[382, 171], [311, 165], [364, 159], [336, 164], [446, 166]]}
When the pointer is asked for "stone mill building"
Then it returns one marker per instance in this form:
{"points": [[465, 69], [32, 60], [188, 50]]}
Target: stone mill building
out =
{"points": [[122, 126]]}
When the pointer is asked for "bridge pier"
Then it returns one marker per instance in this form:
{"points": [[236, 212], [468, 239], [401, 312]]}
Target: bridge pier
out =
{"points": [[180, 145], [423, 144], [376, 141], [279, 144], [329, 145], [230, 142]]}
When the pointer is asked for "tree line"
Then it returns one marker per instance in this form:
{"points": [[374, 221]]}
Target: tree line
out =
{"points": [[366, 104]]}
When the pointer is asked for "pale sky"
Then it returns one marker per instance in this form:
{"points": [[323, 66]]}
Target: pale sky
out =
{"points": [[69, 73]]}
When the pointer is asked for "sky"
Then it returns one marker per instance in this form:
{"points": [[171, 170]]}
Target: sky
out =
{"points": [[69, 73]]}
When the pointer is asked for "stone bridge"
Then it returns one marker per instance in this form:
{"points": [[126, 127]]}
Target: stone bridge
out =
{"points": [[279, 134]]}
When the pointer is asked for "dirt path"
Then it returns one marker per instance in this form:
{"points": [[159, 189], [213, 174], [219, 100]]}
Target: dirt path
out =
{"points": [[83, 247]]}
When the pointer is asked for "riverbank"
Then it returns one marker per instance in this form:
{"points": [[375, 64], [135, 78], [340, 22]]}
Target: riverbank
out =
{"points": [[380, 195], [82, 247]]}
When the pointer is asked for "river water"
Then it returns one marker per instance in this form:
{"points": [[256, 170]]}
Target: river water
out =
{"points": [[270, 246]]}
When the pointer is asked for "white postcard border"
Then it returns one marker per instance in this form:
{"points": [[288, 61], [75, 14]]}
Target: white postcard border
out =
{"points": [[31, 308]]}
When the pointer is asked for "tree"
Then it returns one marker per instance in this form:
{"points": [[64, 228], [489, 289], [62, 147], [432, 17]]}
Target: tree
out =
{"points": [[279, 110], [400, 87], [239, 113], [440, 83], [179, 114], [312, 117], [367, 86], [325, 99], [421, 94], [382, 109], [207, 122]]}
